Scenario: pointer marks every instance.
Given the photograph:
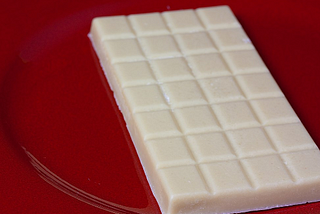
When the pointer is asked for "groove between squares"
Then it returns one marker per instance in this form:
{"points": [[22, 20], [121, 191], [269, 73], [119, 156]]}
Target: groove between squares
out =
{"points": [[222, 129], [239, 159]]}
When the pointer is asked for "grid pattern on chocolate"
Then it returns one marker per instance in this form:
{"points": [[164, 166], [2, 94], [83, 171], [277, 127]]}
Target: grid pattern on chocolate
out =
{"points": [[206, 104]]}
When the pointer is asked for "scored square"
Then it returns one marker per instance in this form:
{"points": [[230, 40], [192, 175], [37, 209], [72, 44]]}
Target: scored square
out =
{"points": [[208, 65], [182, 21], [145, 98], [274, 111], [182, 94], [290, 137], [221, 89], [231, 39], [169, 152], [156, 124], [172, 69], [115, 27], [123, 50], [196, 119], [134, 73], [209, 147], [148, 24], [304, 165], [246, 61], [218, 17], [250, 142], [226, 177], [267, 171], [235, 115], [157, 47], [195, 43], [259, 85], [181, 181]]}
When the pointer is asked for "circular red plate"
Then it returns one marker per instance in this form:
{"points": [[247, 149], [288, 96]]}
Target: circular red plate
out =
{"points": [[63, 143]]}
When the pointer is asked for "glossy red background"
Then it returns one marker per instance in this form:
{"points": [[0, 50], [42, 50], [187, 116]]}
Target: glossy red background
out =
{"points": [[55, 104]]}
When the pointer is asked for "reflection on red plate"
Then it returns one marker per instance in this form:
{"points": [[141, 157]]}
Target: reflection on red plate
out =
{"points": [[58, 118]]}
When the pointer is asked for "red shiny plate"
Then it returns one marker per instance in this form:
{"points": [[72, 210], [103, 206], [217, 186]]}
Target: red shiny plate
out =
{"points": [[63, 143]]}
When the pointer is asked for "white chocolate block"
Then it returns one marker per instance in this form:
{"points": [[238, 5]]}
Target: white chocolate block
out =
{"points": [[212, 128]]}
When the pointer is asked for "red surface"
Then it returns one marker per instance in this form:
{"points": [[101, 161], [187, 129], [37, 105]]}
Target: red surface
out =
{"points": [[56, 106]]}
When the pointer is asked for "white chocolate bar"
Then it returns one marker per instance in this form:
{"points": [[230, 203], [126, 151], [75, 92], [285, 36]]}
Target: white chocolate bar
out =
{"points": [[212, 129]]}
